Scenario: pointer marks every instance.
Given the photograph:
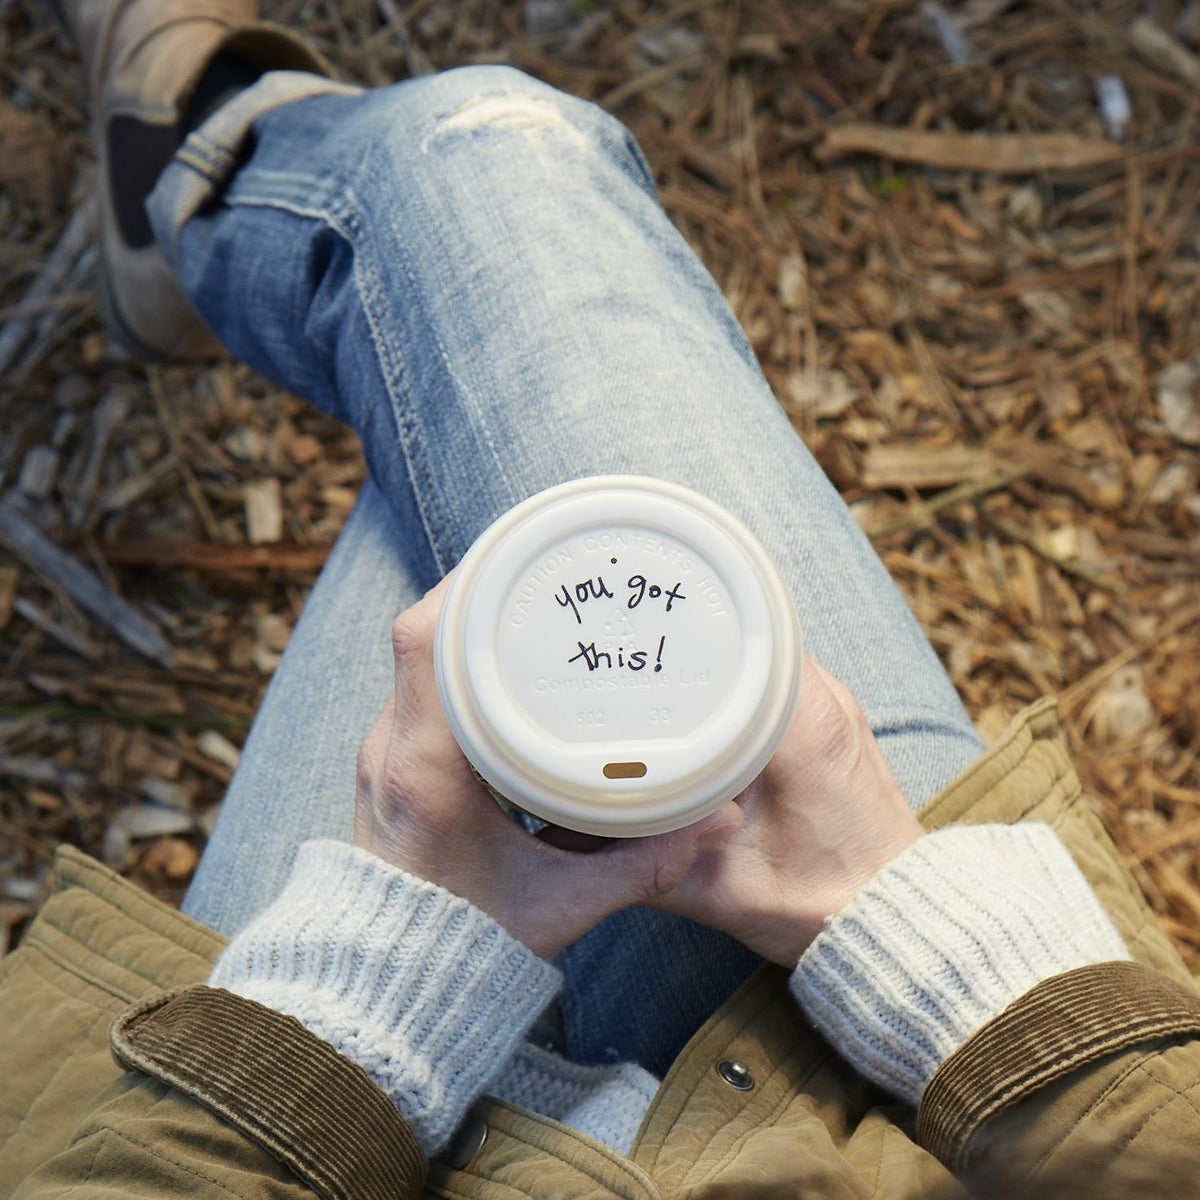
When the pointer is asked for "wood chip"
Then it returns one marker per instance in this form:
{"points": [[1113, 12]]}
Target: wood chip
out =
{"points": [[147, 755], [921, 466], [264, 510], [39, 472], [168, 793], [998, 154], [171, 858], [219, 748], [153, 820], [304, 449]]}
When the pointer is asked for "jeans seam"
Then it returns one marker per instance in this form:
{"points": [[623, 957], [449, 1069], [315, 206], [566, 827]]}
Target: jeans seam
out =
{"points": [[294, 194], [346, 223], [209, 154]]}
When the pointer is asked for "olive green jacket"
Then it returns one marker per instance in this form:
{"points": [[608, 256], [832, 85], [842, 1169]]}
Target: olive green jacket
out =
{"points": [[122, 1075]]}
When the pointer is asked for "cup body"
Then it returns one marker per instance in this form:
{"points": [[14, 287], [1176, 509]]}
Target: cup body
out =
{"points": [[618, 655]]}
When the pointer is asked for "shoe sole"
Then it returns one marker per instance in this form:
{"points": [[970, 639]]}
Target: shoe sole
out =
{"points": [[106, 301]]}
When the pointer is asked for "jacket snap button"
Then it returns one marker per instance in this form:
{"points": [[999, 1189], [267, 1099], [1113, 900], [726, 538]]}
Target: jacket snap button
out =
{"points": [[468, 1143], [736, 1074]]}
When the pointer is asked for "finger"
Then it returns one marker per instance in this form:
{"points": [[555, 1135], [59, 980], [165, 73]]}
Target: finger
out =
{"points": [[412, 649], [636, 870], [372, 754]]}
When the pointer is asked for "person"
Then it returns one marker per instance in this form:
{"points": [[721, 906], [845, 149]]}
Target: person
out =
{"points": [[898, 965]]}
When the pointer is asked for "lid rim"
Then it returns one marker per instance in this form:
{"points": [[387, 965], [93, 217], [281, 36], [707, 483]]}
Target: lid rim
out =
{"points": [[526, 783]]}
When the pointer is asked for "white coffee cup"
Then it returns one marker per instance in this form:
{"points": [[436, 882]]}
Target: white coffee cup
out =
{"points": [[618, 655]]}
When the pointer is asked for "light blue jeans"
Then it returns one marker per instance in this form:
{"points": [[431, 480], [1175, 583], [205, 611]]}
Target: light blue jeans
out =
{"points": [[473, 271]]}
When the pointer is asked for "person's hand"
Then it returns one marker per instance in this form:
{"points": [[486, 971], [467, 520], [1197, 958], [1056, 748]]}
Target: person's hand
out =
{"points": [[820, 821], [420, 807]]}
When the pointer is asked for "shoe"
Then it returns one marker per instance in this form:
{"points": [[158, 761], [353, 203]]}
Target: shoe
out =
{"points": [[144, 60]]}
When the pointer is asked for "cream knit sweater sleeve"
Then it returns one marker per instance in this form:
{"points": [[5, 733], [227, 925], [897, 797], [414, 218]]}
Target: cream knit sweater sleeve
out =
{"points": [[943, 939], [425, 992]]}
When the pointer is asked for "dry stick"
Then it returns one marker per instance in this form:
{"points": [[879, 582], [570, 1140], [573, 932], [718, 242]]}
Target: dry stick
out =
{"points": [[111, 413], [38, 308], [917, 514], [1133, 216], [84, 586], [39, 770], [397, 26], [996, 153], [652, 78], [1163, 51], [1070, 698], [205, 556], [75, 241], [1067, 566], [65, 637], [167, 419], [63, 711], [46, 338]]}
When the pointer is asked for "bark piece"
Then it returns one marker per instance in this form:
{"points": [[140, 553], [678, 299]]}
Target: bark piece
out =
{"points": [[997, 153], [83, 585]]}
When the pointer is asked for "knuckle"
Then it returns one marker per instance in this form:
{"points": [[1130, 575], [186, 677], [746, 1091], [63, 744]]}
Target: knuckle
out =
{"points": [[365, 768], [841, 729], [667, 873], [408, 634]]}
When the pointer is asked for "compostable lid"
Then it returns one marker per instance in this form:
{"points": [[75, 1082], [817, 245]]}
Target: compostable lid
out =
{"points": [[618, 655]]}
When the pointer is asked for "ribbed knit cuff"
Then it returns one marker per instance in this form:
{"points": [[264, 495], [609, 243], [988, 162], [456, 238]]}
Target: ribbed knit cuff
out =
{"points": [[430, 996], [948, 935], [606, 1103]]}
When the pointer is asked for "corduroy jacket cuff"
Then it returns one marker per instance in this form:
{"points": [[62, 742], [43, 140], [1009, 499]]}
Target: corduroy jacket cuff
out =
{"points": [[277, 1083], [1057, 1027]]}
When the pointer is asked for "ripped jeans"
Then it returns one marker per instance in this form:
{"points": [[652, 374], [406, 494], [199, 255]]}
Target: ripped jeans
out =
{"points": [[473, 271]]}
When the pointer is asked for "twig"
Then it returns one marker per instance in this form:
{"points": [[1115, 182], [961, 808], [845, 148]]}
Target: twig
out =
{"points": [[73, 641], [38, 308], [48, 335], [647, 79], [111, 413], [415, 58], [62, 711], [1069, 698], [1068, 566], [996, 153], [76, 240], [208, 557], [1163, 51], [917, 514], [168, 423], [40, 770], [84, 586]]}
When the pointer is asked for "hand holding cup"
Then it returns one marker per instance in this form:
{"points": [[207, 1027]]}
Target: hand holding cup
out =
{"points": [[420, 807]]}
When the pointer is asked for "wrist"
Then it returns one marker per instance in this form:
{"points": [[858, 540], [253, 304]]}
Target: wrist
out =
{"points": [[847, 868]]}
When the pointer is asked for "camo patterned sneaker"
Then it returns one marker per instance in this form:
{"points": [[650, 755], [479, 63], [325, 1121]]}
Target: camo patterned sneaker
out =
{"points": [[144, 61]]}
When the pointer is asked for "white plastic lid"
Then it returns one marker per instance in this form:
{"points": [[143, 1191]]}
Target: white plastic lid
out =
{"points": [[618, 655]]}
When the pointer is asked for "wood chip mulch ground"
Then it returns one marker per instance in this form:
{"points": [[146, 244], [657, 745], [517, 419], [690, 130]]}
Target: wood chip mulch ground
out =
{"points": [[963, 239]]}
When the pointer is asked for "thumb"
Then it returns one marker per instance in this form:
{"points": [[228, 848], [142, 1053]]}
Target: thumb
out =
{"points": [[641, 870]]}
